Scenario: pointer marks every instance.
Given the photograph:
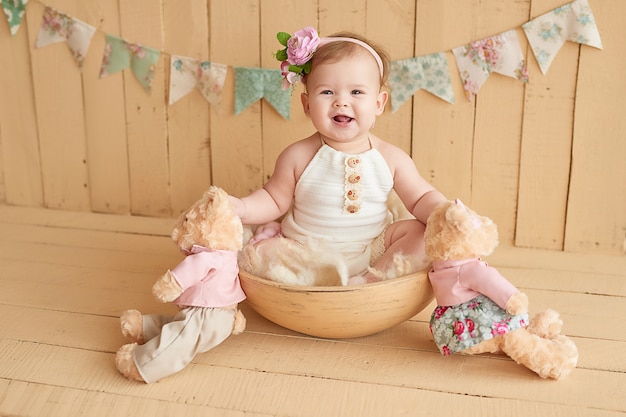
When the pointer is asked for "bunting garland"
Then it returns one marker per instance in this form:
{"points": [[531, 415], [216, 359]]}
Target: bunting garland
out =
{"points": [[573, 22], [252, 84], [14, 11], [476, 61], [423, 72], [120, 54], [188, 74], [57, 27]]}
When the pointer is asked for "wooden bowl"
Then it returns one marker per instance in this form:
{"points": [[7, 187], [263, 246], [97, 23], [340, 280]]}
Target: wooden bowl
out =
{"points": [[339, 312]]}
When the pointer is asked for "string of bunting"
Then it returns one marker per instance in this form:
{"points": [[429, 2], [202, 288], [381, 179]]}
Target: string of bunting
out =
{"points": [[501, 53]]}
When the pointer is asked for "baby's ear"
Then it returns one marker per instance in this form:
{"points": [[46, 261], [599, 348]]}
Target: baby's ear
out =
{"points": [[381, 101], [304, 98]]}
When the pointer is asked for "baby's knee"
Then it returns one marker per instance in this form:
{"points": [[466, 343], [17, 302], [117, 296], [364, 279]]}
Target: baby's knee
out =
{"points": [[408, 233], [407, 229]]}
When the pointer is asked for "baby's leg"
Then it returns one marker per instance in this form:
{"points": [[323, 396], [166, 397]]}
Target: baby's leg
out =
{"points": [[404, 237], [266, 231]]}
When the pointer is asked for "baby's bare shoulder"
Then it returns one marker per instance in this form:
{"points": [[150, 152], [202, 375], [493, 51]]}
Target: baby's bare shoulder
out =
{"points": [[392, 153], [295, 157]]}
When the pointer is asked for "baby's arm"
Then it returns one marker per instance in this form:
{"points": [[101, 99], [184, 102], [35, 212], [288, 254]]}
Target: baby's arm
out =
{"points": [[274, 199], [257, 208], [419, 197]]}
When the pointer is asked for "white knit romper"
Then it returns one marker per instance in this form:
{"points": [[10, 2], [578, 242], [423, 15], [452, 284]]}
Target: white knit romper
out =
{"points": [[341, 203]]}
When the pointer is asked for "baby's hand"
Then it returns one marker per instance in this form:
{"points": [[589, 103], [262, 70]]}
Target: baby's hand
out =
{"points": [[237, 205], [266, 231]]}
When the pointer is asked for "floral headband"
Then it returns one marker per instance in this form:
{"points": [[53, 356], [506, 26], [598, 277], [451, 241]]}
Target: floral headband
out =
{"points": [[299, 49]]}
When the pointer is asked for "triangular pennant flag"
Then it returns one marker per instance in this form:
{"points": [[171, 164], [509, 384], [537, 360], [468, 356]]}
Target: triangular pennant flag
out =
{"points": [[120, 54], [57, 27], [428, 72], [572, 22], [252, 84], [14, 11], [500, 53], [187, 74]]}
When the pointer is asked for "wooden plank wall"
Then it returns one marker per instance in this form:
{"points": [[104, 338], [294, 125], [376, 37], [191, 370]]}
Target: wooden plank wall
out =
{"points": [[544, 160]]}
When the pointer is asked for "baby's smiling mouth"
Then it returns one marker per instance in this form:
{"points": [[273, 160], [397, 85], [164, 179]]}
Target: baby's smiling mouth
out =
{"points": [[342, 119]]}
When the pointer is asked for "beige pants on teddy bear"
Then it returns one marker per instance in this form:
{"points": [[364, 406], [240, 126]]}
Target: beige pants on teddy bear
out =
{"points": [[173, 342]]}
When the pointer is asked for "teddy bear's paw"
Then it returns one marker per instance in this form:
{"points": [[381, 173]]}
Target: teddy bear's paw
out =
{"points": [[549, 358], [131, 323], [240, 323], [563, 358], [166, 288], [125, 363], [546, 324], [517, 304]]}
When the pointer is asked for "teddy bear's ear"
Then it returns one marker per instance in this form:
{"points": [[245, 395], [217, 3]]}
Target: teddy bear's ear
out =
{"points": [[219, 199], [462, 218], [457, 217], [209, 194]]}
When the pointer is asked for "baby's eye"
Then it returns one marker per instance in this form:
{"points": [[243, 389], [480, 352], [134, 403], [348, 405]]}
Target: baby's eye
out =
{"points": [[357, 92], [326, 92]]}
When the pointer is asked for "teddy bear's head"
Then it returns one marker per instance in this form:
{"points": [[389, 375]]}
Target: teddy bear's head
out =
{"points": [[455, 232], [209, 222]]}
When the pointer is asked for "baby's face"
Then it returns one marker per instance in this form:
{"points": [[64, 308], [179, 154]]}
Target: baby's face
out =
{"points": [[343, 97]]}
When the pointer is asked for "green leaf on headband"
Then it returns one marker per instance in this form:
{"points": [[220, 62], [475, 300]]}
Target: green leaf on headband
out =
{"points": [[306, 68], [295, 68], [283, 37], [281, 55]]}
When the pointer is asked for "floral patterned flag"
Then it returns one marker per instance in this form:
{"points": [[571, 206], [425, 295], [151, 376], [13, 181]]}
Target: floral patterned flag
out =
{"points": [[252, 84], [187, 74], [572, 22], [57, 27], [14, 11], [428, 72], [500, 53], [120, 54]]}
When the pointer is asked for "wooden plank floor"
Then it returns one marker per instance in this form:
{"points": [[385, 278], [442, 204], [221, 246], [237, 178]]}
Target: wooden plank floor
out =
{"points": [[66, 277]]}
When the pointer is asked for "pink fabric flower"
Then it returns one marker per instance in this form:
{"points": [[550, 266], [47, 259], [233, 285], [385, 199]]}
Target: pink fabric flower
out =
{"points": [[499, 329], [302, 45], [470, 325], [439, 311], [459, 327], [289, 78]]}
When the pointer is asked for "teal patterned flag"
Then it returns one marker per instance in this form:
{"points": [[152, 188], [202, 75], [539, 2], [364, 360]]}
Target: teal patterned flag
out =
{"points": [[120, 54], [252, 84], [428, 72], [14, 11]]}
